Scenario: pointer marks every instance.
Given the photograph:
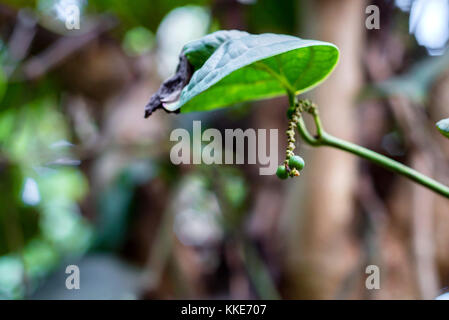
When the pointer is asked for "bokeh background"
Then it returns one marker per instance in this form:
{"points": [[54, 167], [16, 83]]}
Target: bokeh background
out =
{"points": [[86, 180]]}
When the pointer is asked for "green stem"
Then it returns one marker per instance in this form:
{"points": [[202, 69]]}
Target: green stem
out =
{"points": [[318, 125], [390, 164], [324, 139], [306, 135]]}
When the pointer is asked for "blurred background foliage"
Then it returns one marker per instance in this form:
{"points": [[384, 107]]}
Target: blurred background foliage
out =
{"points": [[85, 180]]}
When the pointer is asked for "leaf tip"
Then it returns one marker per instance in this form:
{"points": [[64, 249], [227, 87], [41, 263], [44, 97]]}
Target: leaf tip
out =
{"points": [[443, 127]]}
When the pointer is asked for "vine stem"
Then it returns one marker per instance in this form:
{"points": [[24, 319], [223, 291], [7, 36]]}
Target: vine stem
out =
{"points": [[331, 141], [322, 138]]}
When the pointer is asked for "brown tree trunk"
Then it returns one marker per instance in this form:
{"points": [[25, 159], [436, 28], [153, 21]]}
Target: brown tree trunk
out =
{"points": [[321, 252]]}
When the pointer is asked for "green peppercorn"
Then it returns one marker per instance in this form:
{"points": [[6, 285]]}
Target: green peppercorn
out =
{"points": [[281, 172], [296, 162]]}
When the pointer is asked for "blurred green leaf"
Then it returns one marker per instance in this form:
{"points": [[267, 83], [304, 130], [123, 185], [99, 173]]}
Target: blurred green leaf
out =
{"points": [[138, 41], [115, 204], [3, 82], [415, 84], [274, 16], [140, 12], [39, 257], [235, 189], [20, 3], [27, 131], [443, 127], [64, 183], [18, 222], [11, 277]]}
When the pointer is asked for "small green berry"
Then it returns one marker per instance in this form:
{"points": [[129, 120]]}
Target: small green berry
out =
{"points": [[296, 162], [281, 172]]}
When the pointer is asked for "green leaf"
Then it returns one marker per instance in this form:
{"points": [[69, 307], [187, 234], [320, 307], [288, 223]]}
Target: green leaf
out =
{"points": [[443, 126], [242, 67], [198, 51]]}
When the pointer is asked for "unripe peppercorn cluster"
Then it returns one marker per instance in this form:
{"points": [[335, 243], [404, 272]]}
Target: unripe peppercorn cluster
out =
{"points": [[290, 169], [293, 164]]}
